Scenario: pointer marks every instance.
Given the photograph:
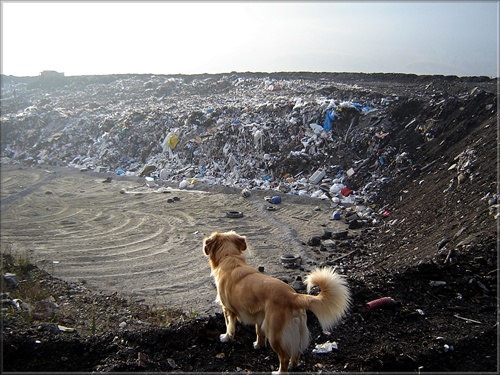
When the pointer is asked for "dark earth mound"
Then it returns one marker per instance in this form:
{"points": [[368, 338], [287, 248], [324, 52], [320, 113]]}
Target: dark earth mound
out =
{"points": [[433, 328]]}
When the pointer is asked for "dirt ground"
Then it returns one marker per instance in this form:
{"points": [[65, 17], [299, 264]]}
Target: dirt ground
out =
{"points": [[144, 244], [115, 253]]}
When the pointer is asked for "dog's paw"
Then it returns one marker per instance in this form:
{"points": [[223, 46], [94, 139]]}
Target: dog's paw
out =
{"points": [[225, 338], [256, 345]]}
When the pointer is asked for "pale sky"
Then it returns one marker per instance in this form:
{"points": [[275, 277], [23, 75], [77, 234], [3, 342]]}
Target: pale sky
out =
{"points": [[87, 38]]}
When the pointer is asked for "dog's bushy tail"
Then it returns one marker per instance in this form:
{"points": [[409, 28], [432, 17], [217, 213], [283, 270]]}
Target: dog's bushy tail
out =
{"points": [[333, 302]]}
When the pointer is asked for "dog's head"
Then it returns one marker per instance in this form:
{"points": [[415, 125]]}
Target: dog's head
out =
{"points": [[219, 245]]}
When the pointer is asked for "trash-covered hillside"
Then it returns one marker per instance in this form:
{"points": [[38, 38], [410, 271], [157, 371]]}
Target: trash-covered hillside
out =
{"points": [[239, 129]]}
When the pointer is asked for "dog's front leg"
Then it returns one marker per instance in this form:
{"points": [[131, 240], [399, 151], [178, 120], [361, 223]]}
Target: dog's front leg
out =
{"points": [[230, 318], [261, 337]]}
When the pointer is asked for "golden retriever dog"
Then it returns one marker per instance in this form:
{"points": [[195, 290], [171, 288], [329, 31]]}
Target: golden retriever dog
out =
{"points": [[278, 312]]}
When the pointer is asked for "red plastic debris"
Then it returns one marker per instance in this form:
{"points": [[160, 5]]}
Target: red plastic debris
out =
{"points": [[346, 192], [381, 303]]}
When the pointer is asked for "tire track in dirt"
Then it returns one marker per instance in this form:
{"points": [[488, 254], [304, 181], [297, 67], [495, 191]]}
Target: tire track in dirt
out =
{"points": [[144, 244], [23, 183]]}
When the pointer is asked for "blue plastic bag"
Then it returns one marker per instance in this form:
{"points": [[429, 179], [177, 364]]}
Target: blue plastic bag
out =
{"points": [[330, 116]]}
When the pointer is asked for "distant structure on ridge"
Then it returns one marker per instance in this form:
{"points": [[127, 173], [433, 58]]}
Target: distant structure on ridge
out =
{"points": [[51, 74], [51, 78]]}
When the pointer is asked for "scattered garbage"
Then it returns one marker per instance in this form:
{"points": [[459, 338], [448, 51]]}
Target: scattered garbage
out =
{"points": [[12, 280], [325, 348], [150, 182], [20, 305], [448, 348], [65, 329], [317, 176], [245, 193], [234, 214], [229, 137], [467, 319], [56, 328], [346, 192], [381, 303], [290, 260], [273, 200]]}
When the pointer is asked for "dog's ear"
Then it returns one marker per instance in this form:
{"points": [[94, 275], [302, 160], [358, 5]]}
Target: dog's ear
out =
{"points": [[239, 241], [209, 243]]}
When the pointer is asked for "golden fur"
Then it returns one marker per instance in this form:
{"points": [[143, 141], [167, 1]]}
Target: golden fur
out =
{"points": [[278, 312]]}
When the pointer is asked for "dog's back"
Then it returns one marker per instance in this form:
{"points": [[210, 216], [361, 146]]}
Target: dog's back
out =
{"points": [[249, 293]]}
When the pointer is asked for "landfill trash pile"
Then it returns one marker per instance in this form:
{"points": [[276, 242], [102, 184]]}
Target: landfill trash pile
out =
{"points": [[390, 179], [248, 130]]}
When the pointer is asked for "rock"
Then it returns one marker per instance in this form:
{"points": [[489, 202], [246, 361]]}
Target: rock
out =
{"points": [[314, 241], [298, 285], [327, 245], [461, 178], [351, 216], [356, 224], [45, 309]]}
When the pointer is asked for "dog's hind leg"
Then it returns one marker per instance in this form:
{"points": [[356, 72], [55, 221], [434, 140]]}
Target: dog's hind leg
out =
{"points": [[294, 361], [230, 318], [302, 340], [261, 337], [284, 363]]}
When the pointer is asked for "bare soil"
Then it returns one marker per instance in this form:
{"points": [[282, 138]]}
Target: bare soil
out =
{"points": [[114, 251]]}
